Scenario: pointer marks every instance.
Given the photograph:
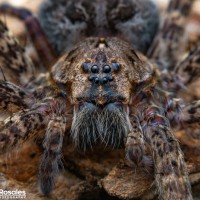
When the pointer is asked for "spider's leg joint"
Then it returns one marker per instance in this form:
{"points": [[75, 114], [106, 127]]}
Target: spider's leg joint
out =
{"points": [[135, 143]]}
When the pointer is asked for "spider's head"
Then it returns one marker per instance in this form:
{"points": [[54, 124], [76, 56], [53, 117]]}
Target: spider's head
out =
{"points": [[101, 71], [99, 76]]}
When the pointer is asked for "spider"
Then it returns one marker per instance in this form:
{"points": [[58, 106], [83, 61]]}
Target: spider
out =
{"points": [[99, 84]]}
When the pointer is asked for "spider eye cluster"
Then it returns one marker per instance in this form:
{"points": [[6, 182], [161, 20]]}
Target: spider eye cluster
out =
{"points": [[95, 70], [116, 66], [87, 67]]}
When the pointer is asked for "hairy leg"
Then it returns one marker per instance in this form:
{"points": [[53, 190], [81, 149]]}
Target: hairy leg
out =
{"points": [[188, 70], [165, 49], [189, 133], [45, 51], [15, 65], [135, 142], [171, 174], [12, 97], [191, 115], [185, 73], [170, 106], [28, 123], [51, 159]]}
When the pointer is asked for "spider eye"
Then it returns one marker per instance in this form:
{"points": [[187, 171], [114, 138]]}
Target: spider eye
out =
{"points": [[96, 80], [116, 66], [110, 78], [106, 69], [92, 77], [86, 66], [94, 69]]}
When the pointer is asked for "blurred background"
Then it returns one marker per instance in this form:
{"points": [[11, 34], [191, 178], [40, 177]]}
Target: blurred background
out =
{"points": [[18, 28]]}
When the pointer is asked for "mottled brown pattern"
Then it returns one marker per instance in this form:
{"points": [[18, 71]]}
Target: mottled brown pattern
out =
{"points": [[51, 160], [170, 170], [40, 42], [169, 44], [14, 63], [192, 114], [135, 143], [12, 98], [189, 69]]}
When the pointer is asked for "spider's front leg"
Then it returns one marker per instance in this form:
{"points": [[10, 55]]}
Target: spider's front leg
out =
{"points": [[22, 125], [135, 146], [171, 174], [51, 159], [30, 123], [27, 123]]}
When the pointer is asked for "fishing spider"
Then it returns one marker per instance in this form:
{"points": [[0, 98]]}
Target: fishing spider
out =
{"points": [[102, 88]]}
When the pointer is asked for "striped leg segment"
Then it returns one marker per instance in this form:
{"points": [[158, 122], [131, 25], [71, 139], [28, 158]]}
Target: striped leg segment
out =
{"points": [[15, 65], [135, 143], [188, 70], [22, 125], [12, 97], [28, 123], [191, 115], [51, 159], [171, 174], [184, 74], [45, 51], [166, 46]]}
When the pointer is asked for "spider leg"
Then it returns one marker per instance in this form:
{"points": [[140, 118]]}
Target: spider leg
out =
{"points": [[171, 174], [188, 70], [12, 98], [135, 142], [191, 115], [51, 159], [45, 51], [28, 123], [165, 49], [15, 65], [189, 133], [185, 73], [172, 107]]}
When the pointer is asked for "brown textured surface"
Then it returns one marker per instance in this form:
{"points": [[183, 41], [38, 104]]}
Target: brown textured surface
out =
{"points": [[127, 183], [85, 177]]}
